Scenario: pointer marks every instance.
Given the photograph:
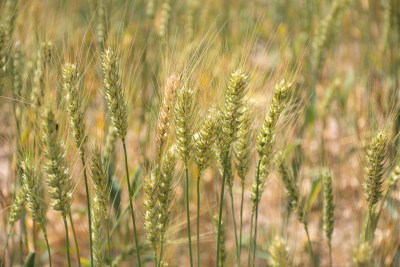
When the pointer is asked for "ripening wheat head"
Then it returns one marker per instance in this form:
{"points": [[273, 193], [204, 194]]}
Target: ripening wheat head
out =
{"points": [[114, 93], [59, 178], [184, 123], [74, 104], [373, 172], [35, 191]]}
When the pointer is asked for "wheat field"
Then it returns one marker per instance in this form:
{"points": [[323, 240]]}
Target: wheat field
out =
{"points": [[199, 133]]}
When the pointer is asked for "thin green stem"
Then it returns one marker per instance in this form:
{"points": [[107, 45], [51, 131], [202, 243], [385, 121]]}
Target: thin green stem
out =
{"points": [[24, 232], [366, 233], [250, 240], [34, 235], [88, 209], [161, 250], [375, 218], [75, 239], [188, 215], [108, 239], [234, 225], [330, 255], [221, 205], [130, 203], [4, 250], [198, 220], [67, 240], [310, 247], [240, 225], [48, 246], [256, 222]]}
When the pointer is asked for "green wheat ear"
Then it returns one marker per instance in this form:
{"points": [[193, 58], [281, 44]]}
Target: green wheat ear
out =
{"points": [[100, 180], [114, 93], [243, 145], [151, 212], [97, 233], [373, 172], [266, 138], [10, 14], [165, 189], [59, 179], [35, 191], [165, 17], [3, 55], [236, 89], [278, 253], [42, 63], [288, 180], [204, 141], [101, 30], [74, 105], [17, 206], [184, 123], [329, 207], [327, 31]]}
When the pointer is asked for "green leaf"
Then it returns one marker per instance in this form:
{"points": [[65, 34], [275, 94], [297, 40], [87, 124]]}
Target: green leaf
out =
{"points": [[30, 260], [315, 189]]}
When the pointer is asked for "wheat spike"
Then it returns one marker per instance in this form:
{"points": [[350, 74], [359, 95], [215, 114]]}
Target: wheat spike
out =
{"points": [[114, 93], [100, 181], [35, 191], [58, 176], [164, 116], [74, 105], [204, 141], [243, 145], [184, 123], [329, 207], [373, 172]]}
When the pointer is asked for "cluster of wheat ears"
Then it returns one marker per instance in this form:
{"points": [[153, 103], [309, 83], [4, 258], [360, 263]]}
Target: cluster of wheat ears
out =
{"points": [[51, 120]]}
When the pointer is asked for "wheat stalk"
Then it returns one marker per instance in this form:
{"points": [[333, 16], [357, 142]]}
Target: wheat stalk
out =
{"points": [[230, 123], [203, 144], [265, 144], [184, 135], [117, 107]]}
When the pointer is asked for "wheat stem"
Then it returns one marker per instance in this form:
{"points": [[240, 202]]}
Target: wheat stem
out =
{"points": [[67, 240], [310, 246], [130, 203], [5, 248], [221, 204], [88, 208], [75, 239], [240, 225], [250, 239], [198, 219], [188, 215], [161, 250], [48, 247], [234, 225], [108, 240], [256, 211]]}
